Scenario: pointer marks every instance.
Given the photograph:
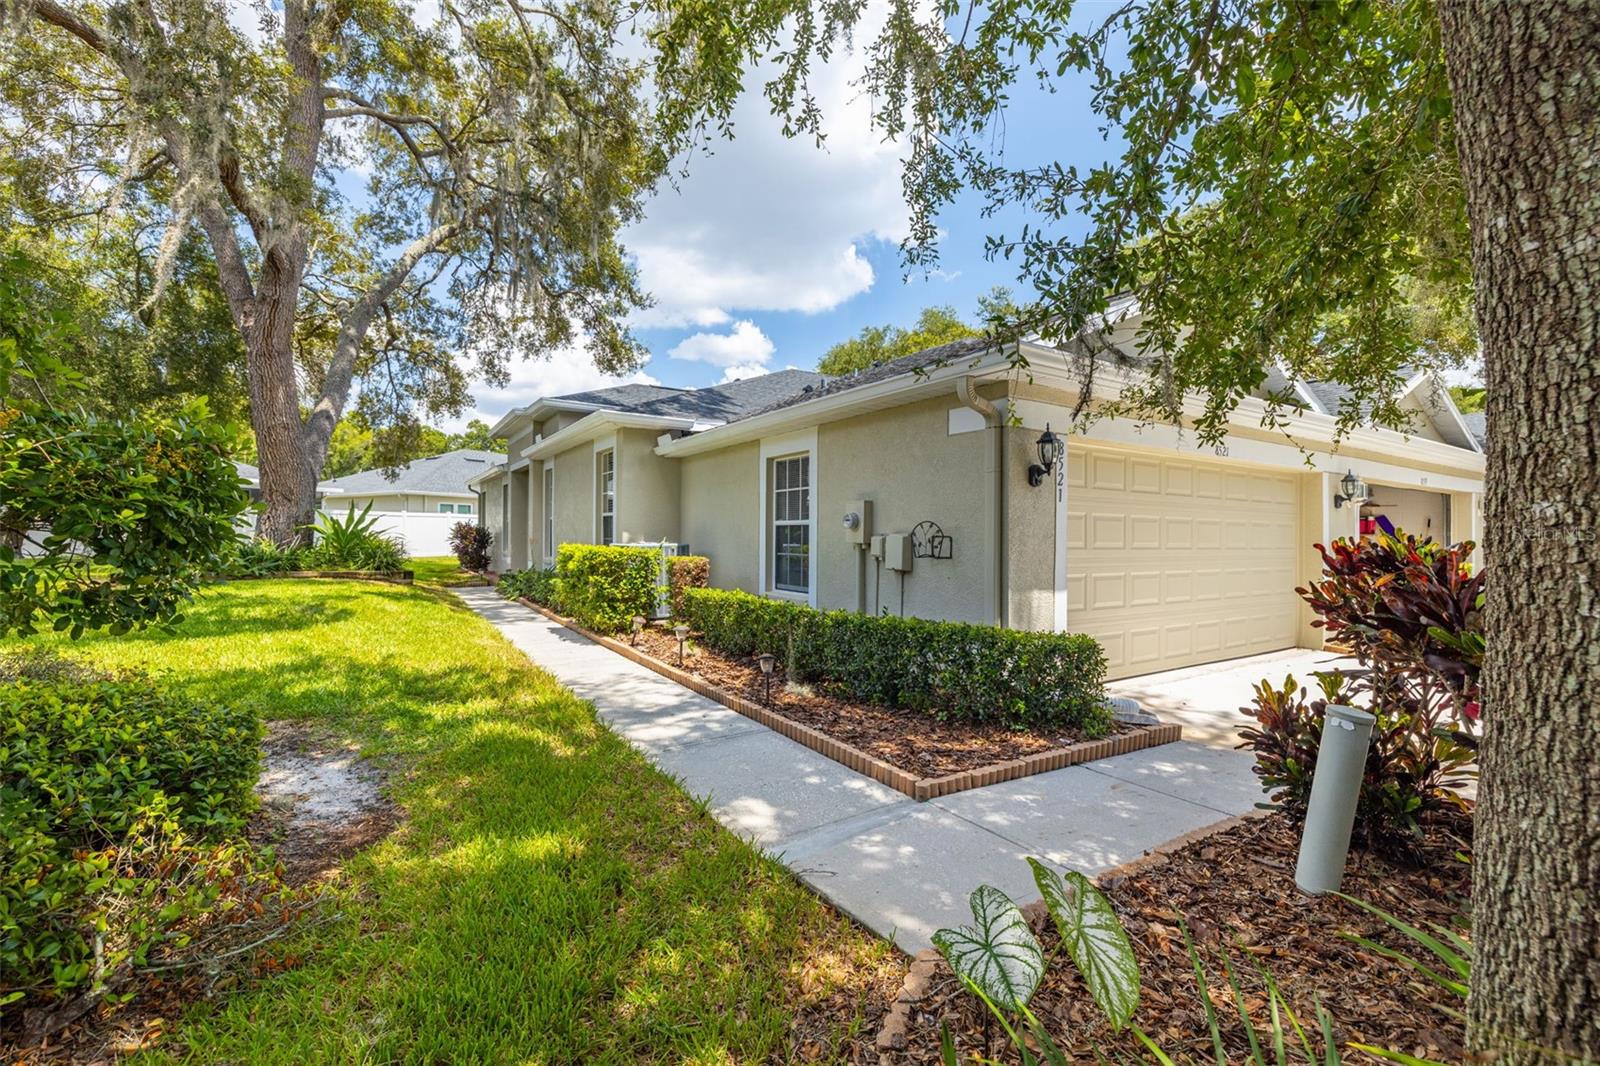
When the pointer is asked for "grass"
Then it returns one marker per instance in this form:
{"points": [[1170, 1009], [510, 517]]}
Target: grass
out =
{"points": [[549, 897], [442, 570]]}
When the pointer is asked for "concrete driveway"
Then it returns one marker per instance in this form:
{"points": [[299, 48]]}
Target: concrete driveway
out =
{"points": [[1206, 699]]}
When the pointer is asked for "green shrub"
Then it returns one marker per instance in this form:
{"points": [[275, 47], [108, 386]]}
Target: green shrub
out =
{"points": [[950, 669], [604, 586], [353, 543], [538, 585], [259, 557], [116, 801], [685, 572]]}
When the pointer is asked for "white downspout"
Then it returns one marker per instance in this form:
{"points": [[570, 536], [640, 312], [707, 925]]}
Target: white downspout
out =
{"points": [[994, 501]]}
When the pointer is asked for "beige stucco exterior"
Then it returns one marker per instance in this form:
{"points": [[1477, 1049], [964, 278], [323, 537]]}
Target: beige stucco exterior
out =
{"points": [[1167, 552], [720, 509], [338, 503]]}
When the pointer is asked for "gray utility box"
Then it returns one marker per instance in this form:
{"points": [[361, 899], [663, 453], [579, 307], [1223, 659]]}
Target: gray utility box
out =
{"points": [[897, 551]]}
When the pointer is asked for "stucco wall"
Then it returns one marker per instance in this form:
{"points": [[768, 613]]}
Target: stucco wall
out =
{"points": [[575, 495], [514, 445], [648, 489], [1030, 554], [720, 515], [906, 461]]}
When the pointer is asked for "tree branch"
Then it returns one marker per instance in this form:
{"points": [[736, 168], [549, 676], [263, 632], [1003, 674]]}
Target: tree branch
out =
{"points": [[353, 331], [57, 15]]}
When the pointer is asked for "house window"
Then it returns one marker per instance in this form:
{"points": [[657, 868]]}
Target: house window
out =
{"points": [[608, 496], [549, 512], [791, 524], [463, 508], [447, 508]]}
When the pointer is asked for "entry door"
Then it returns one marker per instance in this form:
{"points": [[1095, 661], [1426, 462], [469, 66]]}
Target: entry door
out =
{"points": [[1174, 562]]}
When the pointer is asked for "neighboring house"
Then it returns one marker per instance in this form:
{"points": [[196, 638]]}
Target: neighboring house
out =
{"points": [[435, 485], [1168, 553]]}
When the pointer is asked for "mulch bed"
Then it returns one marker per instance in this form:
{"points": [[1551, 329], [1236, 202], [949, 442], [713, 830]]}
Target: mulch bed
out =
{"points": [[914, 741], [1235, 890]]}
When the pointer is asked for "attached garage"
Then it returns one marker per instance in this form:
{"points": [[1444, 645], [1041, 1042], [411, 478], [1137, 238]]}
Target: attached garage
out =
{"points": [[1173, 562]]}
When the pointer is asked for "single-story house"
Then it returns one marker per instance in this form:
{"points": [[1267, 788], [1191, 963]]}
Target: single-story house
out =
{"points": [[918, 487], [435, 485]]}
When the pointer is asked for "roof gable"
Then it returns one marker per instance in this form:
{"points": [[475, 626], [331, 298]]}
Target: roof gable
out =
{"points": [[437, 474]]}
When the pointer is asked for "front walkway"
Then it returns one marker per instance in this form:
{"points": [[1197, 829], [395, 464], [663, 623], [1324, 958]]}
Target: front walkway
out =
{"points": [[902, 868]]}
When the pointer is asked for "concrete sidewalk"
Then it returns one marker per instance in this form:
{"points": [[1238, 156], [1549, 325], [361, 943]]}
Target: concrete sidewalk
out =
{"points": [[902, 868]]}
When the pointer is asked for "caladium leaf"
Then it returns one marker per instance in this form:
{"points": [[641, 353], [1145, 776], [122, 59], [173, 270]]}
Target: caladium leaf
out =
{"points": [[1093, 935], [997, 953]]}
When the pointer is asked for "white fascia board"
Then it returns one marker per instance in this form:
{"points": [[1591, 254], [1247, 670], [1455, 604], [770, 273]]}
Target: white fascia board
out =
{"points": [[487, 476], [597, 423], [1315, 431], [537, 410], [904, 388], [1442, 394]]}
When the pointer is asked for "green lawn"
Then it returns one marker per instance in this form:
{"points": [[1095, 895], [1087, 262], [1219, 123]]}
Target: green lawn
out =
{"points": [[549, 898], [440, 570]]}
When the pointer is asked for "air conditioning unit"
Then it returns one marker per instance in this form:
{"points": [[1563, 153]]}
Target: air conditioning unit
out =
{"points": [[668, 549]]}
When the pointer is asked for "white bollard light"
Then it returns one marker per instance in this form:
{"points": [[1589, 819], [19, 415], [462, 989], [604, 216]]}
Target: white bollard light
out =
{"points": [[1335, 789]]}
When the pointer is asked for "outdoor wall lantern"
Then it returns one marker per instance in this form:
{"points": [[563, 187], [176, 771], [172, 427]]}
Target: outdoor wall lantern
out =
{"points": [[638, 627], [680, 631], [767, 661], [1351, 490], [1050, 449]]}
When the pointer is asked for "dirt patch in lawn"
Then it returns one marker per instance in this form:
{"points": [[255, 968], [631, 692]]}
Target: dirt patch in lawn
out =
{"points": [[320, 802], [914, 741], [1235, 891]]}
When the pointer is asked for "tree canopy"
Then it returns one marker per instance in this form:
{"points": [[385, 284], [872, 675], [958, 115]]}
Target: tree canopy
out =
{"points": [[934, 326]]}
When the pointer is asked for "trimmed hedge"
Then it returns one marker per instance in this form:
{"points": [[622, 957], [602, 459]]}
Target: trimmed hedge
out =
{"points": [[952, 670], [685, 572], [110, 787], [604, 586], [538, 585]]}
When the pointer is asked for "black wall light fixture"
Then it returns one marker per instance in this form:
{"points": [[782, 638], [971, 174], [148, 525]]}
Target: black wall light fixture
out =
{"points": [[1051, 448], [1351, 490]]}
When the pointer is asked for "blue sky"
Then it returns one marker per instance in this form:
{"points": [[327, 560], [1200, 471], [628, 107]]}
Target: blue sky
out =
{"points": [[772, 250]]}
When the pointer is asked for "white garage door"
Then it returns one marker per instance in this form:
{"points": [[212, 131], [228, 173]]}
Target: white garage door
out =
{"points": [[1172, 562]]}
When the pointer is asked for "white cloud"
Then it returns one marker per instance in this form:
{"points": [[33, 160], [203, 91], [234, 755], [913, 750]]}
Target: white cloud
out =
{"points": [[742, 371], [744, 346], [570, 369], [770, 223]]}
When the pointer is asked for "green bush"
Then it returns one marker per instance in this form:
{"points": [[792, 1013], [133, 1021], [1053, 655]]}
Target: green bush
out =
{"points": [[685, 572], [259, 557], [353, 543], [950, 669], [604, 586], [117, 798], [538, 585]]}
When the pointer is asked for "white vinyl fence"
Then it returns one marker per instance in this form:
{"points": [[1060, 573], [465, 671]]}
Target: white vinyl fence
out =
{"points": [[423, 532]]}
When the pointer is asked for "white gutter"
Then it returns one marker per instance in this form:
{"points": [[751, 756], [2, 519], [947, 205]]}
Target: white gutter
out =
{"points": [[604, 420], [994, 500]]}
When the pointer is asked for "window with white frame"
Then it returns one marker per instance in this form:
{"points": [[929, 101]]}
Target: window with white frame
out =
{"points": [[791, 524], [447, 508], [549, 511], [463, 508], [607, 462]]}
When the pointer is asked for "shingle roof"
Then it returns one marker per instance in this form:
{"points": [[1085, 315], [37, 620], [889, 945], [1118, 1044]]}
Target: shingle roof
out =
{"points": [[1478, 426], [906, 364], [727, 402], [437, 473]]}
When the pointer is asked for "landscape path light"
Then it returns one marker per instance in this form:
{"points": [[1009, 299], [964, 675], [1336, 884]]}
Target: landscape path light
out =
{"points": [[638, 627], [767, 661], [680, 631]]}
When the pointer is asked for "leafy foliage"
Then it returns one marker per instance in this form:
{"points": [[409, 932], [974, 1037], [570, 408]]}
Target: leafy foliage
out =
{"points": [[117, 799], [104, 522], [685, 572], [1094, 939], [949, 669], [353, 543], [1411, 613], [996, 955], [603, 586], [934, 326], [258, 557], [538, 585], [470, 541]]}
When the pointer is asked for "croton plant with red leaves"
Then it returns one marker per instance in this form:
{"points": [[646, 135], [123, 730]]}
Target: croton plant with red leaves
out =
{"points": [[1411, 614]]}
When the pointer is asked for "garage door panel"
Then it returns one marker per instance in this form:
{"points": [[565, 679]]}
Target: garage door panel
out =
{"points": [[1172, 562]]}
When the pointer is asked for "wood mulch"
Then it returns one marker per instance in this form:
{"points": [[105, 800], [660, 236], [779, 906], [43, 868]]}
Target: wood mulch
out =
{"points": [[913, 741], [1235, 891]]}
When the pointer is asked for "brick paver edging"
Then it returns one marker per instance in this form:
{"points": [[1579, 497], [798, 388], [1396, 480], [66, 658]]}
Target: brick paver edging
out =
{"points": [[918, 788]]}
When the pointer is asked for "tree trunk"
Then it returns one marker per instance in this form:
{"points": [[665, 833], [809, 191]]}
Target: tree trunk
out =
{"points": [[1525, 78], [289, 461]]}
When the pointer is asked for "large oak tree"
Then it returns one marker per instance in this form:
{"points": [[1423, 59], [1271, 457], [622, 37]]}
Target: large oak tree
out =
{"points": [[503, 149]]}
